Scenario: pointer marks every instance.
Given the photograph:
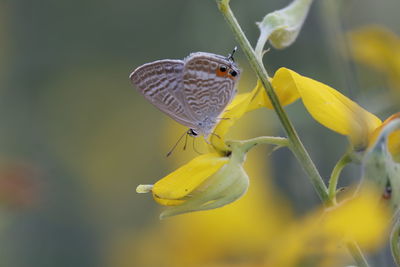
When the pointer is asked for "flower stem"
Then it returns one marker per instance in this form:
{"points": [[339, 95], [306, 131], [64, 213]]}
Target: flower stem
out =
{"points": [[394, 242], [333, 181], [294, 142], [246, 145], [357, 254]]}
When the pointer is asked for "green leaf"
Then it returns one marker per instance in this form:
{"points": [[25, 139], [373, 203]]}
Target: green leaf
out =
{"points": [[282, 27]]}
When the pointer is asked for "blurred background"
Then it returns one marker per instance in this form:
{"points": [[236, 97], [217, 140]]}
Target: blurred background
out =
{"points": [[77, 138]]}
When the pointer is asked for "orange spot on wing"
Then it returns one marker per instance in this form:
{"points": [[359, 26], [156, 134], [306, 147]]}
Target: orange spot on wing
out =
{"points": [[220, 73]]}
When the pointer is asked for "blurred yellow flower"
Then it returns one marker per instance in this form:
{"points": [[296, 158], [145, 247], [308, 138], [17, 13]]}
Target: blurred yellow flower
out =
{"points": [[334, 110], [239, 234], [361, 219], [259, 231], [320, 237], [211, 180], [379, 48]]}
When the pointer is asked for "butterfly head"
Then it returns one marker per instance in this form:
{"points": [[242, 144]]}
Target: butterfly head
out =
{"points": [[228, 71], [228, 68], [192, 133]]}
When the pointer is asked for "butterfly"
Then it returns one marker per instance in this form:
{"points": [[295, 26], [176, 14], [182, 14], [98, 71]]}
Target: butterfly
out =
{"points": [[193, 91]]}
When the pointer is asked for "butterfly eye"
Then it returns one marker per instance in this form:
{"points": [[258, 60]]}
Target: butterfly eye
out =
{"points": [[233, 73], [192, 133], [222, 68]]}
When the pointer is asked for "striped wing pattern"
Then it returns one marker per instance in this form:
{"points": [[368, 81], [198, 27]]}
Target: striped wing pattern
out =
{"points": [[206, 94], [190, 91], [161, 83]]}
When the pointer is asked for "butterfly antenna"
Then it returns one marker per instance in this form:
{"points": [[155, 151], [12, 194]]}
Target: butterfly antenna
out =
{"points": [[173, 148], [230, 56]]}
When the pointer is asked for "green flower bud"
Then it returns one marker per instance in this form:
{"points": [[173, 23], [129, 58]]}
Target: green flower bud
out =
{"points": [[223, 187], [282, 27], [380, 169]]}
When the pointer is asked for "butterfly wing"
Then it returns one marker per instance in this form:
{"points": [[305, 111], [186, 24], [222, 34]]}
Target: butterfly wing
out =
{"points": [[206, 90], [161, 84]]}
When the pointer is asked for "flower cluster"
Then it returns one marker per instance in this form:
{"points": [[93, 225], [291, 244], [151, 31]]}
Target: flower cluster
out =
{"points": [[217, 178]]}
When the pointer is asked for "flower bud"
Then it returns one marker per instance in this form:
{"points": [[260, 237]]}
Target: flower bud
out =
{"points": [[223, 187], [282, 27]]}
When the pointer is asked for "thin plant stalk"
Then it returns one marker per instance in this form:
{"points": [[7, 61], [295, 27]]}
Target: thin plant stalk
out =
{"points": [[246, 145], [333, 181], [295, 144], [294, 141], [394, 242], [357, 254]]}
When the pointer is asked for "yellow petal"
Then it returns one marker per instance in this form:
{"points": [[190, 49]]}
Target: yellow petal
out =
{"points": [[187, 178], [360, 219], [225, 186], [329, 107], [260, 98], [321, 235], [394, 145], [235, 110], [168, 202], [394, 137], [285, 89], [246, 102], [377, 47]]}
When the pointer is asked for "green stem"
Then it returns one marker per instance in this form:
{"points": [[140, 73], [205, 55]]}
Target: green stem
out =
{"points": [[394, 242], [294, 141], [260, 44], [246, 145], [333, 181], [357, 254]]}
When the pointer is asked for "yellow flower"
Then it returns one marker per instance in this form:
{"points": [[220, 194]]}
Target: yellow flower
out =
{"points": [[211, 180], [334, 110], [242, 104], [261, 231], [379, 48], [361, 219], [239, 234], [321, 235], [215, 179]]}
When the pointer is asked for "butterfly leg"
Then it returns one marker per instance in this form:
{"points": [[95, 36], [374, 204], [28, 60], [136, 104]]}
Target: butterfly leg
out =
{"points": [[216, 135], [194, 148], [186, 139], [177, 142]]}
